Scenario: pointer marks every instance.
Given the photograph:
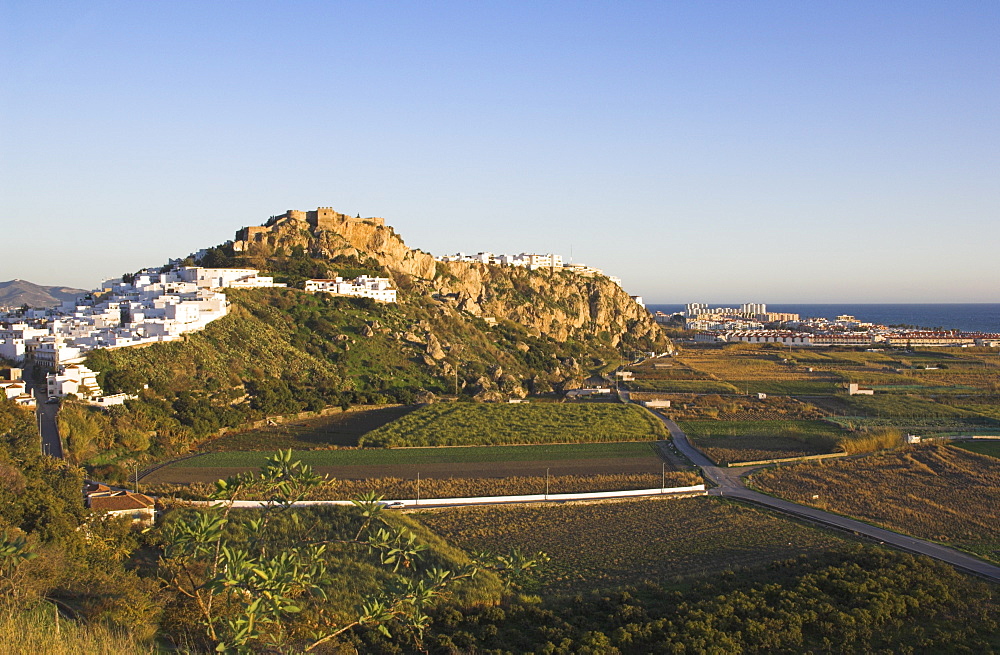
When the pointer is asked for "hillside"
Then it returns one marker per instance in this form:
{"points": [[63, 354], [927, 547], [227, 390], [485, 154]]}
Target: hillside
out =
{"points": [[282, 351], [16, 293], [558, 304]]}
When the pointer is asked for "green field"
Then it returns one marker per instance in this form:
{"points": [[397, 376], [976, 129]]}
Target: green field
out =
{"points": [[788, 388], [991, 448], [682, 386], [667, 539], [340, 429], [467, 424], [745, 441], [457, 455]]}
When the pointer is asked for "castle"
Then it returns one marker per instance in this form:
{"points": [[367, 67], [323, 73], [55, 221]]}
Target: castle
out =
{"points": [[324, 218]]}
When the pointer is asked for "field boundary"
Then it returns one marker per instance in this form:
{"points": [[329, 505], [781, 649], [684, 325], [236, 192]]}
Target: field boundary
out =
{"points": [[698, 489], [783, 460]]}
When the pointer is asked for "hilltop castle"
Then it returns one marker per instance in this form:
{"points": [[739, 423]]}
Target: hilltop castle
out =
{"points": [[323, 218]]}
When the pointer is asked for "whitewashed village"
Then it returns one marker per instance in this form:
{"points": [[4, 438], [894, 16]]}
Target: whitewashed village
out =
{"points": [[152, 306]]}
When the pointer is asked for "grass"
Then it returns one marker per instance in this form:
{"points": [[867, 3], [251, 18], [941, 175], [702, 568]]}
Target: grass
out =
{"points": [[391, 456], [990, 448], [341, 429], [745, 441], [453, 424], [790, 388], [682, 386], [36, 630], [668, 539], [935, 492], [447, 472]]}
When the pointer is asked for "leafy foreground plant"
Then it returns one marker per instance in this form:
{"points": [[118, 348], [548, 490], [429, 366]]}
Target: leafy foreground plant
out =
{"points": [[251, 590]]}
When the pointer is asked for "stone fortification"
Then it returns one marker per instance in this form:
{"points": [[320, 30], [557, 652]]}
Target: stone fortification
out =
{"points": [[325, 234], [555, 303]]}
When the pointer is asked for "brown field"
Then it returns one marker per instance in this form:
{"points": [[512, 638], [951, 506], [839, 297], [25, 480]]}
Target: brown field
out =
{"points": [[935, 492], [738, 407], [616, 543], [180, 474], [723, 450], [389, 487], [751, 363], [341, 429]]}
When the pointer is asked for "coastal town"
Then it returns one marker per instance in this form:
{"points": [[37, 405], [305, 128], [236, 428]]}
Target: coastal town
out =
{"points": [[752, 323]]}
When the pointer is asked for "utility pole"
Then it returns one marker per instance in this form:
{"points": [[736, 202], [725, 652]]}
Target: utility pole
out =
{"points": [[663, 476], [418, 487], [546, 484]]}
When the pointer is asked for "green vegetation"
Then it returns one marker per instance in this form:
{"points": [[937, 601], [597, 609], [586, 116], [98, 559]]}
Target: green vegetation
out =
{"points": [[281, 580], [283, 351], [51, 551], [336, 430], [744, 441], [864, 600], [448, 472], [392, 456], [682, 386], [798, 387], [739, 408], [931, 491], [463, 424], [34, 628], [991, 448]]}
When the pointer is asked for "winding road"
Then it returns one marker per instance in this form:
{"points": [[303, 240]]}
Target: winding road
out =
{"points": [[730, 484]]}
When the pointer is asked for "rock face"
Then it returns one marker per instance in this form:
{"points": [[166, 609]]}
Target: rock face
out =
{"points": [[325, 233], [556, 303]]}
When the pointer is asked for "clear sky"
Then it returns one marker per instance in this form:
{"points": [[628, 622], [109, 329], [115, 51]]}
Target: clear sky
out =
{"points": [[701, 151]]}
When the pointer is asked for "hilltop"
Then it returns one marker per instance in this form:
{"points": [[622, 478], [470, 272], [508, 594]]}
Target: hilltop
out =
{"points": [[486, 332], [16, 293]]}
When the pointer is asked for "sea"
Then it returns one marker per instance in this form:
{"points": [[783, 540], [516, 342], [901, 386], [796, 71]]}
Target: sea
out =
{"points": [[967, 317]]}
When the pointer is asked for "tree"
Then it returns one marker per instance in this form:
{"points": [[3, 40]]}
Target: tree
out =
{"points": [[247, 588]]}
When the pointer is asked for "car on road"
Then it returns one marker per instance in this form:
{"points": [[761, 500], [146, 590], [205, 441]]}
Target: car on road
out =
{"points": [[395, 504]]}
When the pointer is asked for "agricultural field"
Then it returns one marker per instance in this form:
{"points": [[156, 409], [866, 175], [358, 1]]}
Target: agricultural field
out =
{"points": [[738, 408], [667, 539], [457, 471], [991, 448], [681, 386], [337, 430], [460, 424], [745, 363], [935, 492], [429, 487], [726, 442]]}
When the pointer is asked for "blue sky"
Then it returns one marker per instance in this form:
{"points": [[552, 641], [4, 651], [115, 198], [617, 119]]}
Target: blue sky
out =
{"points": [[701, 151]]}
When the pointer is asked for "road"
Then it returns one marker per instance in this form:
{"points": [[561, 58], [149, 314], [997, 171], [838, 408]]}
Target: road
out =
{"points": [[730, 484], [46, 416]]}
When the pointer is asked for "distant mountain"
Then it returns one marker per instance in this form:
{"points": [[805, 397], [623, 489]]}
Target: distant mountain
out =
{"points": [[16, 293]]}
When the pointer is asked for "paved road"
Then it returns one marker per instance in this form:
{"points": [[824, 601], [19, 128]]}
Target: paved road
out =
{"points": [[46, 416], [731, 485]]}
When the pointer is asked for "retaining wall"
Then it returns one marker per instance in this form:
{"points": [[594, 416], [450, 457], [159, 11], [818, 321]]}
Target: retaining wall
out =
{"points": [[698, 489]]}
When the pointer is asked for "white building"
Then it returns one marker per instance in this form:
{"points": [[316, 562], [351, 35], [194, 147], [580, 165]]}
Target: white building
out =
{"points": [[156, 304], [74, 379], [377, 288]]}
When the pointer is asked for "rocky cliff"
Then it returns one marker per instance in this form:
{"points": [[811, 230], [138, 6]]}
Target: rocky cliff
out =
{"points": [[557, 304]]}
